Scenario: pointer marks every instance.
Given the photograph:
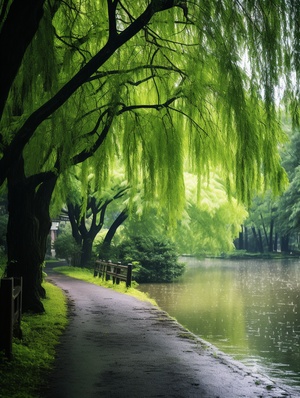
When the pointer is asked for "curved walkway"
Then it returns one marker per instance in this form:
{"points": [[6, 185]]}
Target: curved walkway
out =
{"points": [[116, 346]]}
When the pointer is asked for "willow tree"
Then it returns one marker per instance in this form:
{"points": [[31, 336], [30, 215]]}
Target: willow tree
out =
{"points": [[161, 84], [87, 210]]}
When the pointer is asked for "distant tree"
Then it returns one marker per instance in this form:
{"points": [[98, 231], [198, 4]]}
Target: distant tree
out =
{"points": [[86, 208], [261, 226], [211, 221], [273, 222]]}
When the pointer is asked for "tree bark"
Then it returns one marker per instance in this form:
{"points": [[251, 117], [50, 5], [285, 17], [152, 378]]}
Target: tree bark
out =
{"points": [[285, 243], [246, 238], [18, 30], [28, 227], [275, 242], [271, 236], [105, 247], [265, 231], [87, 250], [256, 240], [260, 241], [115, 225], [241, 238]]}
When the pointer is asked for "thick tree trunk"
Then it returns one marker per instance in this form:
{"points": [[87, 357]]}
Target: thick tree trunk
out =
{"points": [[28, 227], [105, 248], [115, 225], [256, 240], [285, 244], [24, 258], [260, 240], [87, 249], [73, 214]]}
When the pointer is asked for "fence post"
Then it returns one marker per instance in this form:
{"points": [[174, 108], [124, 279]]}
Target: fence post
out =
{"points": [[118, 271], [129, 275], [108, 268], [7, 315]]}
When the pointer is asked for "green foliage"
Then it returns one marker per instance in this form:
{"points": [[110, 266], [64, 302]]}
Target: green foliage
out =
{"points": [[66, 247], [279, 216], [211, 221], [183, 98], [156, 257], [34, 354], [163, 86]]}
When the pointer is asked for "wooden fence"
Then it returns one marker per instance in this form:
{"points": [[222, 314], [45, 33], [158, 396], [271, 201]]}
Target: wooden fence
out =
{"points": [[10, 312], [118, 272]]}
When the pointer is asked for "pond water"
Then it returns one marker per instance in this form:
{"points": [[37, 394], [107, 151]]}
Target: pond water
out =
{"points": [[249, 309]]}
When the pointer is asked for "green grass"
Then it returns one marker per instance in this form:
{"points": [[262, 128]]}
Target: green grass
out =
{"points": [[34, 354], [87, 275]]}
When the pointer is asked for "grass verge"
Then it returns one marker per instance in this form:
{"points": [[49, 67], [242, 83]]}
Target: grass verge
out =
{"points": [[87, 275], [34, 354]]}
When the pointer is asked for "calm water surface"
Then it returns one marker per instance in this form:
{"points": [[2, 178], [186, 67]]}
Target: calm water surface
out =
{"points": [[248, 309]]}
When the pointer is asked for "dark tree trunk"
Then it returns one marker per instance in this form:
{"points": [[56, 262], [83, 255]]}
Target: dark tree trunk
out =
{"points": [[241, 239], [74, 214], [115, 225], [260, 241], [28, 227], [105, 248], [265, 231], [285, 243], [271, 236], [246, 238], [87, 250], [276, 242], [256, 240], [19, 27]]}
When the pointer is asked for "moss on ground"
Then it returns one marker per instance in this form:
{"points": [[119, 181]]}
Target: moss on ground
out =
{"points": [[34, 354]]}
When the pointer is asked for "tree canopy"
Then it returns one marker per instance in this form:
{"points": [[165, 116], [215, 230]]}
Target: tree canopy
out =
{"points": [[166, 86], [162, 77]]}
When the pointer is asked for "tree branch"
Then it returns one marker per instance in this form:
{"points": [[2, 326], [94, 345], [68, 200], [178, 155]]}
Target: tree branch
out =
{"points": [[17, 32], [27, 130], [111, 8]]}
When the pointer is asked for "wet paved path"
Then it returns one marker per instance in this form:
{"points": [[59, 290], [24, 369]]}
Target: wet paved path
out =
{"points": [[116, 346]]}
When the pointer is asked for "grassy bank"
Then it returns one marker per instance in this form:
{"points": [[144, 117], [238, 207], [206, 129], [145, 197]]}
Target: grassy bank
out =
{"points": [[87, 275], [34, 354]]}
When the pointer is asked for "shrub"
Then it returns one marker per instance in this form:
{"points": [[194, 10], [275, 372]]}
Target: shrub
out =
{"points": [[66, 248], [156, 258]]}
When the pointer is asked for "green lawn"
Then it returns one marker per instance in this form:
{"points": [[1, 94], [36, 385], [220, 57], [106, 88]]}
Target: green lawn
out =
{"points": [[34, 354]]}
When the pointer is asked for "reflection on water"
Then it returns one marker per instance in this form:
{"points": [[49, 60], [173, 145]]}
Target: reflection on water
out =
{"points": [[249, 309]]}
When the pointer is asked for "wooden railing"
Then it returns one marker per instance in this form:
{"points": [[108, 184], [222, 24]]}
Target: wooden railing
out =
{"points": [[10, 313], [118, 272]]}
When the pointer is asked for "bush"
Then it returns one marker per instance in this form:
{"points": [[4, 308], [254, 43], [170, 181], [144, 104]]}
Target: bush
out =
{"points": [[66, 248], [156, 258]]}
